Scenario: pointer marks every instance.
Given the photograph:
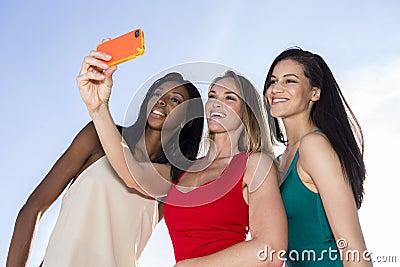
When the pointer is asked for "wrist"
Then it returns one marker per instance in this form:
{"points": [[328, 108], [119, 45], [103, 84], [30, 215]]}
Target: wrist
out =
{"points": [[99, 111]]}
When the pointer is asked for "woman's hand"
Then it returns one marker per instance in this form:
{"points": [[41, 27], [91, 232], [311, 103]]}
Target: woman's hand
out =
{"points": [[95, 80]]}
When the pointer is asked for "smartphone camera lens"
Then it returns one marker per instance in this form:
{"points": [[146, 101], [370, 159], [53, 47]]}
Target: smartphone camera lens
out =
{"points": [[137, 33]]}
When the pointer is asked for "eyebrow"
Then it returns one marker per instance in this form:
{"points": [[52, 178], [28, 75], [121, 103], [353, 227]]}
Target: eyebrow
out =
{"points": [[226, 93], [162, 90], [287, 75]]}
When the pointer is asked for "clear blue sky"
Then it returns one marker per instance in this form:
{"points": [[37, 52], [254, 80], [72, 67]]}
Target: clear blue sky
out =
{"points": [[43, 44]]}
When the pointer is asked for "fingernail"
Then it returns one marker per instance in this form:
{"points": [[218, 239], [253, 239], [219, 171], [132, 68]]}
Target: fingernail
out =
{"points": [[101, 76], [105, 66]]}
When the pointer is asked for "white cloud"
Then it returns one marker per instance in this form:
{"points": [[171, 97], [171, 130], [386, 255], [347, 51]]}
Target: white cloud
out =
{"points": [[374, 95], [373, 87]]}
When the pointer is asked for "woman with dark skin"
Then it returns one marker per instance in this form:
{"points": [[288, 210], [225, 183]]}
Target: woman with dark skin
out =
{"points": [[237, 133], [322, 169], [97, 199]]}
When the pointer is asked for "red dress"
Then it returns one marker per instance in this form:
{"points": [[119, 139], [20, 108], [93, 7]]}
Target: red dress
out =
{"points": [[211, 217]]}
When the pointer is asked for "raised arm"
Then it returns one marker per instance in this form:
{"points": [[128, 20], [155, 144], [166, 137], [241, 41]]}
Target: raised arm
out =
{"points": [[84, 150], [95, 88], [267, 221], [324, 168]]}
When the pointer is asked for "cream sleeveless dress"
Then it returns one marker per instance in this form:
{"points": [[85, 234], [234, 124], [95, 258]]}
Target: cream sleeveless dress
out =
{"points": [[101, 223]]}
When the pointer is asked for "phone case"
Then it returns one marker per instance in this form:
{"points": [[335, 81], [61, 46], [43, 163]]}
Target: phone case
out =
{"points": [[124, 47]]}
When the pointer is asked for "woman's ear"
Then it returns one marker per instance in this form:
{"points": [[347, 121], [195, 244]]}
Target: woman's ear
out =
{"points": [[316, 93]]}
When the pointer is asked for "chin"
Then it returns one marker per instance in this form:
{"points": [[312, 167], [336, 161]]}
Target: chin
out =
{"points": [[276, 114], [215, 126], [155, 125], [216, 129]]}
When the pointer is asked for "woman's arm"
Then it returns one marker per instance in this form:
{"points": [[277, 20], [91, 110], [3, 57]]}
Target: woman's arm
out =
{"points": [[95, 88], [84, 146], [267, 221], [323, 166]]}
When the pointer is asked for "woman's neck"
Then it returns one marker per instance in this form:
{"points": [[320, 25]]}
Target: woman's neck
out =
{"points": [[225, 145], [149, 143], [297, 128]]}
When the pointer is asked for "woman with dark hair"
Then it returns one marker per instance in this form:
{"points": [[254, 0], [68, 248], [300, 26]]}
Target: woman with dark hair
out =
{"points": [[218, 199], [102, 222], [322, 168], [211, 211]]}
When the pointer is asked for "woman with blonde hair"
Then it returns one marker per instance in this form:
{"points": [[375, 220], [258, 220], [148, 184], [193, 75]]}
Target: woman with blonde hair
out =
{"points": [[219, 198]]}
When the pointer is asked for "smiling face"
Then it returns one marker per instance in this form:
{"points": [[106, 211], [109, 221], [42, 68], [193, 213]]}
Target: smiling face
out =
{"points": [[224, 106], [290, 92], [163, 101]]}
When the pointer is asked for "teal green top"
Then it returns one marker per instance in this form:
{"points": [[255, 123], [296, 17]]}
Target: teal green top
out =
{"points": [[311, 242]]}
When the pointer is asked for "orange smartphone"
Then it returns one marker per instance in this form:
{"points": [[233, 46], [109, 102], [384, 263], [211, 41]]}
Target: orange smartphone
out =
{"points": [[124, 47]]}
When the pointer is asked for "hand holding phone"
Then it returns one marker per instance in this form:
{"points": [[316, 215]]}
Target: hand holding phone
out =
{"points": [[124, 47]]}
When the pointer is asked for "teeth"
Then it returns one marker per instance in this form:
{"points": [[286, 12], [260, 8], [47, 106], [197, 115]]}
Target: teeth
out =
{"points": [[278, 100], [217, 114], [158, 113]]}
